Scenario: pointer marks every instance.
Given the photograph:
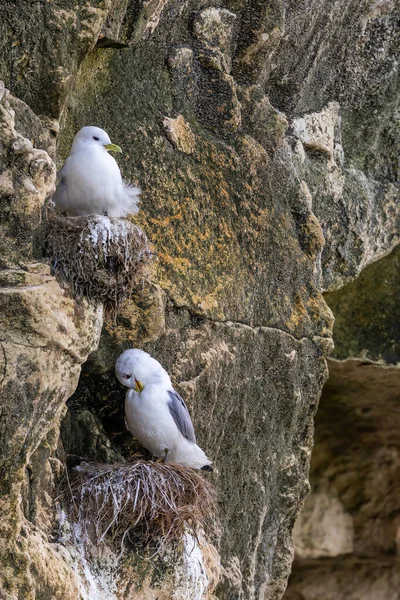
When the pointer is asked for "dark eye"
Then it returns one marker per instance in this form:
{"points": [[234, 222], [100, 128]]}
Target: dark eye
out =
{"points": [[126, 376], [96, 138]]}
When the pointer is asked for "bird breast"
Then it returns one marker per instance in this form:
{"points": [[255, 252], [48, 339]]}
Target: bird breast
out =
{"points": [[96, 167], [150, 421]]}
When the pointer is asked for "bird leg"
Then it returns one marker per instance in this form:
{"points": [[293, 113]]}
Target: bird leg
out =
{"points": [[163, 458]]}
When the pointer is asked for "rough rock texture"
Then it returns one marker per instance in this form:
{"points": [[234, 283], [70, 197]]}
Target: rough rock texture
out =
{"points": [[367, 323], [264, 136], [26, 180], [347, 536], [45, 337], [221, 367]]}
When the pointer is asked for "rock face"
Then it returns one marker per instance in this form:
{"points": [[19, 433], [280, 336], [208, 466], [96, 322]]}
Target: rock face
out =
{"points": [[45, 338], [261, 448], [264, 138], [347, 535]]}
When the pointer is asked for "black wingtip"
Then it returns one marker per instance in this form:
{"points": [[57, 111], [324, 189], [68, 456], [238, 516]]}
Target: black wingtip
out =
{"points": [[207, 468]]}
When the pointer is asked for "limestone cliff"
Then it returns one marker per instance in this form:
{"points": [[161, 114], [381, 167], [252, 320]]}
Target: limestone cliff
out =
{"points": [[347, 535], [264, 137]]}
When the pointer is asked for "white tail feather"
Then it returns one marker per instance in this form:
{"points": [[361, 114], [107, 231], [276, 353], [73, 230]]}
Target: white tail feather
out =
{"points": [[189, 455], [132, 195]]}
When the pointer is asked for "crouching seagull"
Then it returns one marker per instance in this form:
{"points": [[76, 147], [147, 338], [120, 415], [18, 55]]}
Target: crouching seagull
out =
{"points": [[156, 415], [90, 180]]}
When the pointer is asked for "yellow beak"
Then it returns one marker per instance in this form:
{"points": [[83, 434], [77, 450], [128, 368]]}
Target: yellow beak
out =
{"points": [[112, 148], [139, 387]]}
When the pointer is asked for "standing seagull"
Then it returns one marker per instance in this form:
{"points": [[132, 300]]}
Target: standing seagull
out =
{"points": [[156, 414], [90, 180]]}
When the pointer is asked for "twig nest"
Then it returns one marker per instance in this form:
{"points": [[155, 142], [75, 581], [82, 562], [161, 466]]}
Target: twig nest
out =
{"points": [[102, 259], [146, 502]]}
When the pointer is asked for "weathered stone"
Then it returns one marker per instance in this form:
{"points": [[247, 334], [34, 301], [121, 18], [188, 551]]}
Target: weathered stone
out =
{"points": [[139, 320], [194, 574], [218, 104], [262, 28], [219, 368], [182, 69], [322, 58], [260, 119], [179, 134], [369, 580], [359, 217], [213, 27], [249, 227], [224, 207], [40, 69], [349, 526], [323, 527], [45, 337], [128, 23], [355, 481], [316, 131], [27, 179], [367, 313], [114, 31]]}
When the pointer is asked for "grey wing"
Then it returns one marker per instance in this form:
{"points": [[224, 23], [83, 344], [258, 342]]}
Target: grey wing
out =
{"points": [[180, 414]]}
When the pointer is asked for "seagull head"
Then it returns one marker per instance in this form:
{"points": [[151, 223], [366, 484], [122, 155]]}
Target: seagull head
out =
{"points": [[93, 137], [136, 369]]}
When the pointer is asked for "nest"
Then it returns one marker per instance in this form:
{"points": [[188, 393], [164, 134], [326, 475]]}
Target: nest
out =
{"points": [[147, 503], [102, 259]]}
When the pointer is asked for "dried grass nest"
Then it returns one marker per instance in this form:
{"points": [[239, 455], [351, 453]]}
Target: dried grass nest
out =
{"points": [[145, 502], [103, 259]]}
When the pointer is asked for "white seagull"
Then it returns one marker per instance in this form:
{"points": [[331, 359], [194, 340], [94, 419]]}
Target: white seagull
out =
{"points": [[155, 413], [90, 180]]}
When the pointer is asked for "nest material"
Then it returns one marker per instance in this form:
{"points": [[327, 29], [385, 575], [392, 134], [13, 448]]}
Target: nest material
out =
{"points": [[102, 259], [146, 502]]}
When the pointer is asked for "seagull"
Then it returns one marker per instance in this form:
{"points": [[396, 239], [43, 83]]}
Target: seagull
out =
{"points": [[156, 415], [90, 180]]}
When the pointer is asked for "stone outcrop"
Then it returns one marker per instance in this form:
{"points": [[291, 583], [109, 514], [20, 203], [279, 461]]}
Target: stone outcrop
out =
{"points": [[347, 535], [263, 136], [45, 337]]}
